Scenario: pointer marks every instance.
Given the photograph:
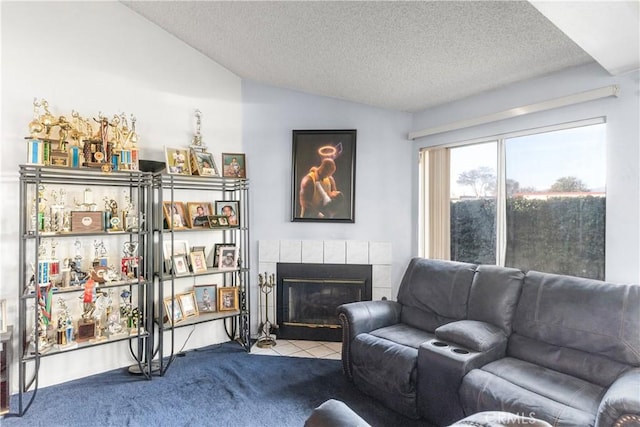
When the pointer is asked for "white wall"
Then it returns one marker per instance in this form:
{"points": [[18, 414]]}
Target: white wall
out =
{"points": [[623, 137], [101, 56], [383, 172]]}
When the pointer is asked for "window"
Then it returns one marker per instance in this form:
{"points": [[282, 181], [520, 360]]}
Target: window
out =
{"points": [[534, 201]]}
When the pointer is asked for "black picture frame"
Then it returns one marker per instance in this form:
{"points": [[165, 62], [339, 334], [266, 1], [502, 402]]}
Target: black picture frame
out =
{"points": [[311, 150]]}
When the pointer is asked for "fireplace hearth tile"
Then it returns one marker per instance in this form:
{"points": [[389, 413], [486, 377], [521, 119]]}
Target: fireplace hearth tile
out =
{"points": [[312, 251], [320, 351], [380, 253], [269, 250], [335, 252], [357, 252], [290, 251], [305, 345]]}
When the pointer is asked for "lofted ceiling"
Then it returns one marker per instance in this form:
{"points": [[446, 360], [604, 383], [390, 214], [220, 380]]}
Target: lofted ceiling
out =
{"points": [[404, 56]]}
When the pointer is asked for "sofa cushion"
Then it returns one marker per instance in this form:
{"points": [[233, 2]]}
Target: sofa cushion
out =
{"points": [[525, 388], [494, 295], [471, 334], [434, 292], [592, 316], [403, 334], [387, 371]]}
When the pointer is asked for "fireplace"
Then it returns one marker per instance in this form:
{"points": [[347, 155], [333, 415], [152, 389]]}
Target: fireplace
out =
{"points": [[308, 295]]}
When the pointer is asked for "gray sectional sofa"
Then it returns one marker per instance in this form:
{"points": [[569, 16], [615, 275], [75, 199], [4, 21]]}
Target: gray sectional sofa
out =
{"points": [[464, 338]]}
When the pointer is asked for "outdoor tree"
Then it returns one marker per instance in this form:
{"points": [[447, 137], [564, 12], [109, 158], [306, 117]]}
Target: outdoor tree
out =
{"points": [[482, 180], [568, 184]]}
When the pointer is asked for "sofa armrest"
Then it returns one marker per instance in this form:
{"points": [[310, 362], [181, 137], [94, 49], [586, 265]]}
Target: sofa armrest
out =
{"points": [[363, 317], [472, 334], [620, 405]]}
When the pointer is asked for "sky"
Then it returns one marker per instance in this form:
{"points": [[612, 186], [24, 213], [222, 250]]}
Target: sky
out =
{"points": [[539, 160]]}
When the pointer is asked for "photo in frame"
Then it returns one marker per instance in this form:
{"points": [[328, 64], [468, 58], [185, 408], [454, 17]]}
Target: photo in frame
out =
{"points": [[228, 298], [180, 247], [198, 213], [177, 160], [226, 256], [218, 221], [229, 209], [206, 298], [198, 262], [234, 165], [203, 164], [173, 312], [179, 263], [188, 304], [175, 215], [323, 175]]}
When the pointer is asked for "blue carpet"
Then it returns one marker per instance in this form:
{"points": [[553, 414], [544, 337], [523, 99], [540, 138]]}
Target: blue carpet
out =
{"points": [[220, 385]]}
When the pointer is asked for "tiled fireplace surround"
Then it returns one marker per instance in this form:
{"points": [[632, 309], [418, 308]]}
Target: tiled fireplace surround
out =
{"points": [[376, 253]]}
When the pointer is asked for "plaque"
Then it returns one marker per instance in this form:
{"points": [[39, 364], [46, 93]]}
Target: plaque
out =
{"points": [[86, 330]]}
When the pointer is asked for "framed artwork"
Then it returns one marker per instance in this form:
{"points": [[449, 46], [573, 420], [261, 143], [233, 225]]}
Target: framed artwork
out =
{"points": [[323, 175], [218, 221], [228, 298], [229, 209], [206, 298], [3, 315], [203, 164], [234, 165], [188, 304], [227, 258], [172, 310], [198, 213], [180, 266], [175, 215], [177, 160], [216, 251], [198, 262]]}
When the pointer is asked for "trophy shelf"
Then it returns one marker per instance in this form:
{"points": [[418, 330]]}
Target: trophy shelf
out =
{"points": [[80, 288], [201, 318]]}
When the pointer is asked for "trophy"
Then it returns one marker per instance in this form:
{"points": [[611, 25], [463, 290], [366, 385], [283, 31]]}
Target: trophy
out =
{"points": [[129, 263]]}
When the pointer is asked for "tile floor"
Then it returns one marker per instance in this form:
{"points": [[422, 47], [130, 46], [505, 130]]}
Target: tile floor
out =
{"points": [[300, 348]]}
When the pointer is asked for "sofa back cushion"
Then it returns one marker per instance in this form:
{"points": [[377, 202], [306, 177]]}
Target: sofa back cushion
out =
{"points": [[494, 295], [597, 321], [434, 292]]}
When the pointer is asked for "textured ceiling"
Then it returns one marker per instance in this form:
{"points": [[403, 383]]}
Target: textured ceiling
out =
{"points": [[404, 56]]}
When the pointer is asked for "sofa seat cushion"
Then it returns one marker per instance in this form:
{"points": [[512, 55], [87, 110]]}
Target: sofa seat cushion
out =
{"points": [[403, 334], [521, 387], [386, 370]]}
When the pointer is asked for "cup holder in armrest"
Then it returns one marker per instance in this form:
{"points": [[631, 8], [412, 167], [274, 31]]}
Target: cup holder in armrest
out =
{"points": [[460, 351], [439, 344]]}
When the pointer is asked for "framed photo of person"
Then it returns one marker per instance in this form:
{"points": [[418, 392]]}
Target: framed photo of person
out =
{"points": [[177, 160], [198, 262], [188, 304], [323, 179], [203, 164], [228, 258], [172, 310], [180, 267], [228, 298], [234, 165], [229, 209], [175, 215], [206, 298], [180, 247], [198, 214], [216, 251], [218, 221]]}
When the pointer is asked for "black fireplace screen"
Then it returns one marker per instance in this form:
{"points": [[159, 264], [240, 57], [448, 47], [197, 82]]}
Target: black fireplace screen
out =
{"points": [[313, 302]]}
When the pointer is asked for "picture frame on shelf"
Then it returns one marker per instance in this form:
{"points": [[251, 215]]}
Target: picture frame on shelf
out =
{"points": [[234, 165], [203, 163], [228, 258], [3, 315], [173, 311], [228, 298], [327, 157], [198, 214], [179, 265], [177, 160], [188, 304], [216, 251], [180, 247], [206, 298], [198, 262], [175, 215], [230, 209], [218, 221]]}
